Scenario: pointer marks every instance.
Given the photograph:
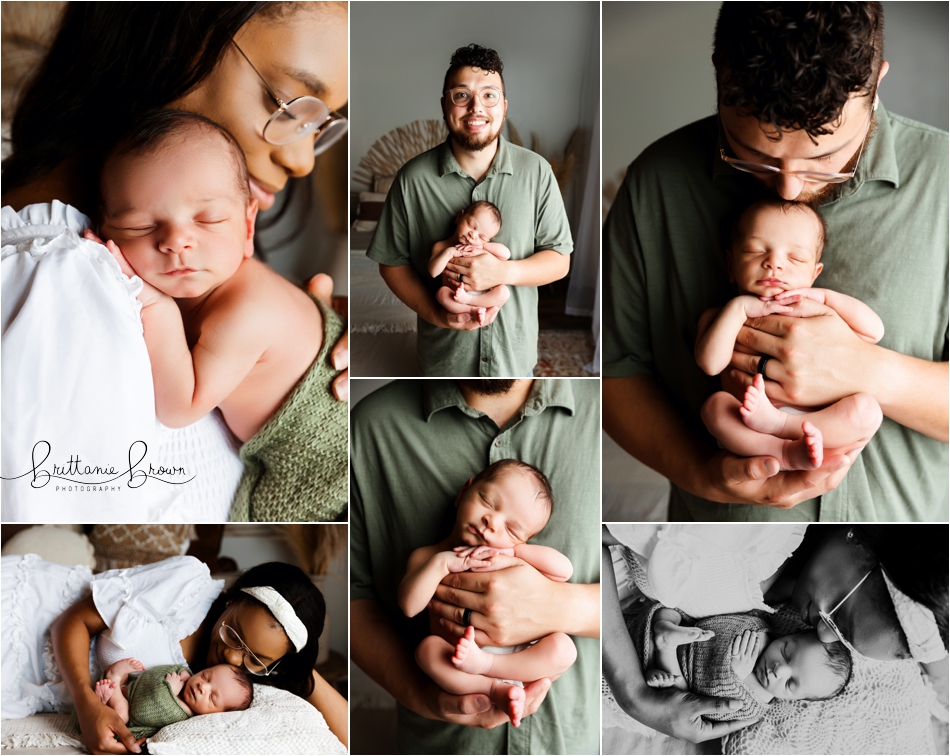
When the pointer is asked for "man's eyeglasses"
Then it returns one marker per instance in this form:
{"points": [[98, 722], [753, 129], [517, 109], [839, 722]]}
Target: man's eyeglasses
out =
{"points": [[759, 169], [488, 97], [251, 663], [301, 116]]}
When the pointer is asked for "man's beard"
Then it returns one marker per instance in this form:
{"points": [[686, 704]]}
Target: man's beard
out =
{"points": [[488, 386], [475, 142], [830, 191]]}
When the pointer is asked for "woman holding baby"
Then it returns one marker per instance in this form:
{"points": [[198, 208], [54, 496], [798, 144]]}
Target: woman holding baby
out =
{"points": [[880, 590], [250, 67]]}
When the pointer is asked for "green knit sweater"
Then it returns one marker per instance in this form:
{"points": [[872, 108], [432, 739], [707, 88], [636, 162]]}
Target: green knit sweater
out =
{"points": [[295, 467], [152, 705]]}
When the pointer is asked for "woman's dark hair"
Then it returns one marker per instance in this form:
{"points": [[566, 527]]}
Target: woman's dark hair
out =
{"points": [[295, 671], [916, 560], [794, 65], [474, 56], [109, 64]]}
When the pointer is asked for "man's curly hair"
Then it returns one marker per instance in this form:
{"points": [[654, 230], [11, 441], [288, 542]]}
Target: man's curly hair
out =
{"points": [[474, 56], [793, 65]]}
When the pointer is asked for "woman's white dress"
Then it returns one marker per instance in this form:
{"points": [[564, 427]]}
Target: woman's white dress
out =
{"points": [[148, 611]]}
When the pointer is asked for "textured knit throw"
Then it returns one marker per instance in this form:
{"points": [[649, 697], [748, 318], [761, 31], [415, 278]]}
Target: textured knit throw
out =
{"points": [[152, 705], [295, 467], [707, 665]]}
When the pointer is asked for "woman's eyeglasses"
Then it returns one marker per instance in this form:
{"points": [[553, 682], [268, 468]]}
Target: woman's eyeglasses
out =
{"points": [[301, 116], [251, 663]]}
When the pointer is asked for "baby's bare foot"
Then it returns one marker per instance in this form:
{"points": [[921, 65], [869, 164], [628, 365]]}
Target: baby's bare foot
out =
{"points": [[758, 413], [655, 678], [469, 657], [105, 689], [509, 698], [462, 296], [481, 316], [667, 635], [807, 452]]}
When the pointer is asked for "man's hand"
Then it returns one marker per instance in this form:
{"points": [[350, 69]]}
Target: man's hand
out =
{"points": [[817, 358], [479, 272], [757, 480], [476, 710], [512, 604], [465, 321], [680, 714], [746, 648]]}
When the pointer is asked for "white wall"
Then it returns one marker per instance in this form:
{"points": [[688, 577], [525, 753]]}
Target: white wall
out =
{"points": [[401, 51], [658, 76]]}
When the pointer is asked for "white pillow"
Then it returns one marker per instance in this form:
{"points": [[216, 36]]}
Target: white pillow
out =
{"points": [[277, 722], [55, 544]]}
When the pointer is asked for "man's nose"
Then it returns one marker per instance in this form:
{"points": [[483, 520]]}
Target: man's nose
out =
{"points": [[788, 187]]}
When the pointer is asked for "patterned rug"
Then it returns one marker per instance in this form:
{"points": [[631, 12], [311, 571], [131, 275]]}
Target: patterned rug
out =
{"points": [[564, 353]]}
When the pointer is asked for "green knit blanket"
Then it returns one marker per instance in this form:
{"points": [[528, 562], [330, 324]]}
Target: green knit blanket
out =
{"points": [[295, 467], [152, 704]]}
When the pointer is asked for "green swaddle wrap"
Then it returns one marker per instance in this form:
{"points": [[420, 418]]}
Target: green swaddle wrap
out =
{"points": [[295, 467], [152, 704]]}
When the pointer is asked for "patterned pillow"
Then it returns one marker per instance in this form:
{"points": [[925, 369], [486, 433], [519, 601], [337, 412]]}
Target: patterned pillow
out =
{"points": [[121, 546]]}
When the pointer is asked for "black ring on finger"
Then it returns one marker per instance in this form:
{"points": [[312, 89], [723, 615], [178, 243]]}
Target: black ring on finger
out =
{"points": [[467, 617], [763, 361]]}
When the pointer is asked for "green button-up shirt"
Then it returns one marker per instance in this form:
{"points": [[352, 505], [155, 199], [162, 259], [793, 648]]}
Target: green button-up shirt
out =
{"points": [[414, 445], [420, 210], [887, 246]]}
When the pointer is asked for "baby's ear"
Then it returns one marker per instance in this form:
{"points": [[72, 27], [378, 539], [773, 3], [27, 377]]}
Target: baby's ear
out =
{"points": [[251, 220], [818, 269]]}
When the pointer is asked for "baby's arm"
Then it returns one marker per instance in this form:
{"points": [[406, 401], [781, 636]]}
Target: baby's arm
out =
{"points": [[426, 569], [442, 252], [176, 681], [863, 320], [549, 562], [715, 344], [498, 250]]}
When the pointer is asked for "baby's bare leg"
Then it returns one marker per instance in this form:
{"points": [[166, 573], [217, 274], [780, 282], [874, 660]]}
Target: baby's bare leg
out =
{"points": [[721, 415], [109, 690], [434, 656], [495, 297], [446, 297], [550, 657], [668, 634], [848, 422]]}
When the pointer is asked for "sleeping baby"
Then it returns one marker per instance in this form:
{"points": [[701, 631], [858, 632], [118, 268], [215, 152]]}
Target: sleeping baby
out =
{"points": [[149, 699], [498, 510], [475, 227], [774, 258], [734, 656], [222, 329]]}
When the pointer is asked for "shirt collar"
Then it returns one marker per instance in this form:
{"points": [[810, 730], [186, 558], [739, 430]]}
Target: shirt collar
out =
{"points": [[443, 394], [501, 163], [878, 163]]}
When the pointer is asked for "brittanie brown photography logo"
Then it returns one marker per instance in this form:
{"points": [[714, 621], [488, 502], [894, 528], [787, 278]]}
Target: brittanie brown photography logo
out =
{"points": [[77, 475]]}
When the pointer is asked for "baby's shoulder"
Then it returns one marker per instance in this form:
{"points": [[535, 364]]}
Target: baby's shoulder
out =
{"points": [[256, 294]]}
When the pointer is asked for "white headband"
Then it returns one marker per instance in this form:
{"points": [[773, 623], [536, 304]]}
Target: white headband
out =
{"points": [[283, 612], [918, 624]]}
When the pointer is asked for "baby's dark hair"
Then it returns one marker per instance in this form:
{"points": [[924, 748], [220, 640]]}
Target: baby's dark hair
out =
{"points": [[483, 205], [245, 681], [544, 494], [475, 56], [838, 660], [787, 207], [155, 128]]}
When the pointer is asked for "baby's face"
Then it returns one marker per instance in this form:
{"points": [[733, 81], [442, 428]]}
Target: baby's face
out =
{"points": [[214, 689], [795, 667], [776, 251], [500, 513], [478, 227], [177, 214]]}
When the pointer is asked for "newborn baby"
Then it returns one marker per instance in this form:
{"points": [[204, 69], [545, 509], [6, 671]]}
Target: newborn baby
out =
{"points": [[476, 226], [504, 506], [149, 699], [733, 656], [774, 259], [223, 329]]}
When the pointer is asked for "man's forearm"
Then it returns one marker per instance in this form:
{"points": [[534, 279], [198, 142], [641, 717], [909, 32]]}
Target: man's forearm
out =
{"points": [[539, 269], [912, 392], [405, 283]]}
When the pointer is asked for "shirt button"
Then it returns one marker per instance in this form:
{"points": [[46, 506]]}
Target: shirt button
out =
{"points": [[498, 443]]}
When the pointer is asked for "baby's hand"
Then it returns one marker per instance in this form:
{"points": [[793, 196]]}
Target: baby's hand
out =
{"points": [[149, 294], [797, 295], [745, 650], [758, 308], [176, 680], [464, 558]]}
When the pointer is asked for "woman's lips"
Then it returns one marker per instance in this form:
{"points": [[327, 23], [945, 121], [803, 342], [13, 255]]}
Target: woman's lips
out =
{"points": [[264, 195]]}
